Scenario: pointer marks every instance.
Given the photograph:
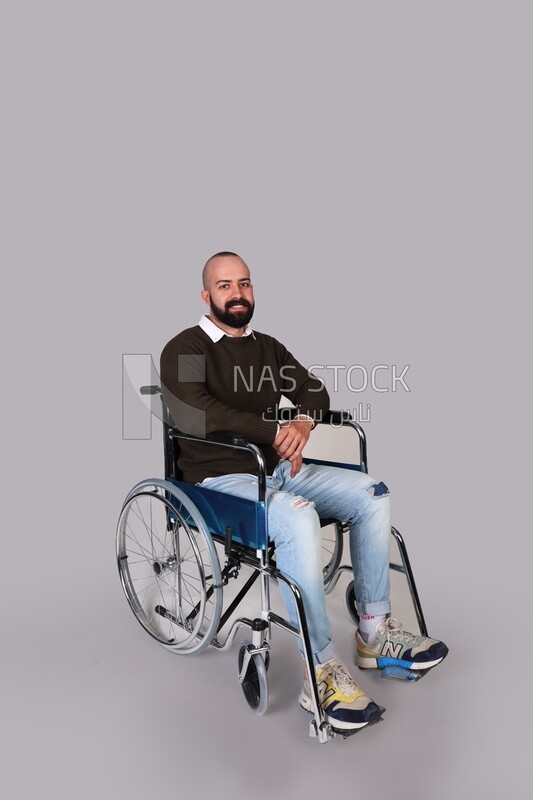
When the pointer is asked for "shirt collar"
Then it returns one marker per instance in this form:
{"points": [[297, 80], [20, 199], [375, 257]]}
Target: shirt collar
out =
{"points": [[215, 333]]}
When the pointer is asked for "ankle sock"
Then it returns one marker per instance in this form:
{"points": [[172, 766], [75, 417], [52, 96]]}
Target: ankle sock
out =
{"points": [[367, 627]]}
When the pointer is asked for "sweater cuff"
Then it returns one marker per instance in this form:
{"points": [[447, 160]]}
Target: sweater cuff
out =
{"points": [[268, 430]]}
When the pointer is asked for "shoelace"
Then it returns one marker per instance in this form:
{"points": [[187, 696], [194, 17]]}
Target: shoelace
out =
{"points": [[394, 628], [341, 677]]}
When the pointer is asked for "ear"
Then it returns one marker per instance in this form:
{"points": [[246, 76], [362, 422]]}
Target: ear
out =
{"points": [[205, 296]]}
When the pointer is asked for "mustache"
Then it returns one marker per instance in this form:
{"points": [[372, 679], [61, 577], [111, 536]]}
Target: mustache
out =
{"points": [[242, 302]]}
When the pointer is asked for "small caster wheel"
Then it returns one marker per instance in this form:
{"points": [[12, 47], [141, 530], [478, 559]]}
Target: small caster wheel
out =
{"points": [[254, 680], [350, 603]]}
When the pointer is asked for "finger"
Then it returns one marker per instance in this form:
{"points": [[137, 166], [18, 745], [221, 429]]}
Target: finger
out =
{"points": [[296, 466], [284, 439], [293, 448]]}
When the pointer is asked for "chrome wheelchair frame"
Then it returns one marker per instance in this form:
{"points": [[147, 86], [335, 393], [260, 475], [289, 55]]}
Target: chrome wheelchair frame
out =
{"points": [[171, 575]]}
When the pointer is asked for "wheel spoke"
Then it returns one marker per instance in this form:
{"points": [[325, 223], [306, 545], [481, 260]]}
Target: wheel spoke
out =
{"points": [[168, 560]]}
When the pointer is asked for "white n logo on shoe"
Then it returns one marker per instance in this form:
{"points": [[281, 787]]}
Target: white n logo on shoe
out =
{"points": [[392, 650], [325, 691]]}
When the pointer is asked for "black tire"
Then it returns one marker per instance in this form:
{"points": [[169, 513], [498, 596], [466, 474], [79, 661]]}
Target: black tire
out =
{"points": [[350, 603], [332, 543]]}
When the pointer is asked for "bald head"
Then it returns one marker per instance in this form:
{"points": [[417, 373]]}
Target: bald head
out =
{"points": [[217, 259]]}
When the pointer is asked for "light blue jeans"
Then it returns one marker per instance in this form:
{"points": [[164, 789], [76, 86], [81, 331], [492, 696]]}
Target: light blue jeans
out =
{"points": [[294, 506]]}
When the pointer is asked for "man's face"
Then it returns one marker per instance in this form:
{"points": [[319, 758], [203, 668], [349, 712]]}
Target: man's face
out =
{"points": [[229, 291]]}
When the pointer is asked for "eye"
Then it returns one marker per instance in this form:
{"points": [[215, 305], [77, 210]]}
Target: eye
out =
{"points": [[245, 284]]}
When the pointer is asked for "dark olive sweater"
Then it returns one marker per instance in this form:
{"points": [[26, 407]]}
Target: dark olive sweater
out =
{"points": [[232, 385]]}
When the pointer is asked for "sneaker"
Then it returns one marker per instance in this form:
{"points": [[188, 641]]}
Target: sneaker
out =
{"points": [[395, 647], [345, 705]]}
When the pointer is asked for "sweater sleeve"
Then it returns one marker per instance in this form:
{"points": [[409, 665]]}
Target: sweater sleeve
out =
{"points": [[302, 388], [193, 409]]}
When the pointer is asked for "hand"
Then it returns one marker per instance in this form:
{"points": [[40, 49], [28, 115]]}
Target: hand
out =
{"points": [[291, 440], [296, 464]]}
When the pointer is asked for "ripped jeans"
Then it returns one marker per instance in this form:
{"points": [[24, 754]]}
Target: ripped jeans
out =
{"points": [[294, 506]]}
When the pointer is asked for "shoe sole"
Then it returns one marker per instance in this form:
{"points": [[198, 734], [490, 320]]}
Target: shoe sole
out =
{"points": [[346, 733], [338, 725], [364, 662]]}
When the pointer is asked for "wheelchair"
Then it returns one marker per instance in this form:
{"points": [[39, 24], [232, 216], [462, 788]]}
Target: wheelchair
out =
{"points": [[172, 536]]}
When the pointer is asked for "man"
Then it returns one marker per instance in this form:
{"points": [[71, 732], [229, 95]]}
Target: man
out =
{"points": [[222, 376]]}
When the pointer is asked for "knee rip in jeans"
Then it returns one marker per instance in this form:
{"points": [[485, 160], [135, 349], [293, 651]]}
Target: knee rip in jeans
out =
{"points": [[296, 503], [378, 489]]}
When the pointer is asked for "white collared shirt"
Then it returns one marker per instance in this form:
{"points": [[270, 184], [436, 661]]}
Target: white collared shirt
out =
{"points": [[215, 333]]}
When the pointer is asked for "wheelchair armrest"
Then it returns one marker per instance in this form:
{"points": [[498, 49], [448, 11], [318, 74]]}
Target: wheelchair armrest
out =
{"points": [[340, 419], [150, 390], [333, 417], [328, 417], [226, 437], [218, 437]]}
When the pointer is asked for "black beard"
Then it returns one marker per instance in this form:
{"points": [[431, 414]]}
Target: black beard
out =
{"points": [[234, 319]]}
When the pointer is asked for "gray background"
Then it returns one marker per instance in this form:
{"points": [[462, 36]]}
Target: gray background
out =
{"points": [[372, 163]]}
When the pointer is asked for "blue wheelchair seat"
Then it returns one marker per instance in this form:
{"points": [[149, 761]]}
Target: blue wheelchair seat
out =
{"points": [[245, 518]]}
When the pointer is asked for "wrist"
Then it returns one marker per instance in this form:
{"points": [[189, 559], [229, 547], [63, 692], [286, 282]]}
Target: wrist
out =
{"points": [[305, 418]]}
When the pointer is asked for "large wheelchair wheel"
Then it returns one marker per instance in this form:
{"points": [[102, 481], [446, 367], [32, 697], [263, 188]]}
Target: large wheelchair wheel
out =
{"points": [[332, 542], [169, 567]]}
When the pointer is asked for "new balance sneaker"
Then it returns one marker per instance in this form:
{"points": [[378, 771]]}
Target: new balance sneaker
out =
{"points": [[394, 647], [345, 705]]}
